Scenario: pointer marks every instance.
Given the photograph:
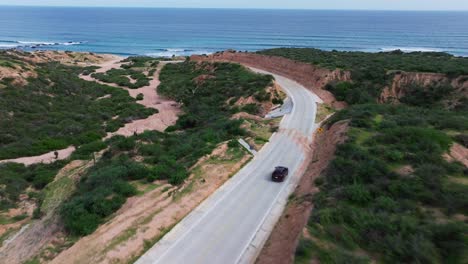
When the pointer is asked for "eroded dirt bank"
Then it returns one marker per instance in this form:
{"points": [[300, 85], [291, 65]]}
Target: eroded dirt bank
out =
{"points": [[282, 242], [310, 76], [145, 218], [403, 80], [35, 236]]}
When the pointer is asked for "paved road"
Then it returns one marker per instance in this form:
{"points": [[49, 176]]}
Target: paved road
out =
{"points": [[222, 229]]}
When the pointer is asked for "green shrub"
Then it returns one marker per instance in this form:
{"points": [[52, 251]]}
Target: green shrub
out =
{"points": [[357, 193], [426, 96], [140, 97], [462, 139], [262, 96], [101, 192], [58, 109], [449, 239], [124, 143], [85, 151], [277, 101], [233, 143], [363, 202], [17, 178], [122, 77], [371, 72], [251, 109], [167, 156]]}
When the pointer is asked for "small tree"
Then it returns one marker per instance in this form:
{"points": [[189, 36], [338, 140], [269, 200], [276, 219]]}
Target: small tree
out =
{"points": [[140, 97]]}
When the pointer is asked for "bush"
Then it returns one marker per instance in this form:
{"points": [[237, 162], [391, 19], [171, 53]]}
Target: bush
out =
{"points": [[426, 96], [69, 120], [233, 143], [167, 156], [16, 178], [358, 194], [449, 240], [85, 151], [124, 143], [364, 201], [140, 97], [251, 109], [101, 192], [122, 77], [369, 72], [462, 139], [277, 101]]}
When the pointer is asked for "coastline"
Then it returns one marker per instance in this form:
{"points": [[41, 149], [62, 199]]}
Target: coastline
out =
{"points": [[373, 31]]}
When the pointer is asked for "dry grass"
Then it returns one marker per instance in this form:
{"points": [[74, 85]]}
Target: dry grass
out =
{"points": [[323, 111]]}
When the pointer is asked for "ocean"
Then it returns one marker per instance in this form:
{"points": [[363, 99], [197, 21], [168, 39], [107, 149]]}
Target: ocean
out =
{"points": [[166, 32]]}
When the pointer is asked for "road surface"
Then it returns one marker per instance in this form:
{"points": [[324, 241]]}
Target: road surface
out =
{"points": [[225, 227]]}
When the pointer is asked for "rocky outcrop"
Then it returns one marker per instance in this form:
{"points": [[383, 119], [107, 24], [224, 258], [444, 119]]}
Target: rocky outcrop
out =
{"points": [[310, 76], [402, 80]]}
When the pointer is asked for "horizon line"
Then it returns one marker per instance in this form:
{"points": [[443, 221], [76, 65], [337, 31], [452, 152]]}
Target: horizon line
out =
{"points": [[242, 8]]}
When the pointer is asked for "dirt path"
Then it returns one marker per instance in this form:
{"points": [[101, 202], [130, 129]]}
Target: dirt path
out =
{"points": [[168, 109], [167, 116], [44, 158], [47, 158], [459, 153]]}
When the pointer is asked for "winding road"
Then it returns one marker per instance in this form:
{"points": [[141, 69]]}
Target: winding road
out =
{"points": [[232, 225]]}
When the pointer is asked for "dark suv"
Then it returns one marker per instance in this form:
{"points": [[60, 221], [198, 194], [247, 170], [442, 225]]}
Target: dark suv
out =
{"points": [[280, 174]]}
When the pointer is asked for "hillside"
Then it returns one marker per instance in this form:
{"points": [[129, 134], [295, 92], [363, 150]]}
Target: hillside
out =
{"points": [[73, 102], [396, 190]]}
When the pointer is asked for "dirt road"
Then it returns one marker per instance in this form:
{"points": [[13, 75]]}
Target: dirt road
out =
{"points": [[168, 109], [167, 116]]}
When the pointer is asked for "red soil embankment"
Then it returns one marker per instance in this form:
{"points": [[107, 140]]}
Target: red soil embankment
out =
{"points": [[310, 76], [282, 243], [403, 80]]}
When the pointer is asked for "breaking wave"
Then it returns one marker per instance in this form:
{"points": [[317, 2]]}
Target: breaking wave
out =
{"points": [[411, 49], [35, 44], [177, 52]]}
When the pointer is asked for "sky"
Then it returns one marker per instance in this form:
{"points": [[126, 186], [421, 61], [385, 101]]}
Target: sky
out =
{"points": [[276, 4]]}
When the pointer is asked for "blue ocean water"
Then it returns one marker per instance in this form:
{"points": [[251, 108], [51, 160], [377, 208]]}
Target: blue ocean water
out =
{"points": [[160, 32]]}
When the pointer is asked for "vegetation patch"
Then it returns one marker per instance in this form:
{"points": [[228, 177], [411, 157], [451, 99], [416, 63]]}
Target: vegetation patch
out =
{"points": [[58, 109], [123, 77], [140, 62], [136, 73], [374, 199], [260, 131], [365, 205], [16, 178], [371, 72], [164, 156], [323, 111]]}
